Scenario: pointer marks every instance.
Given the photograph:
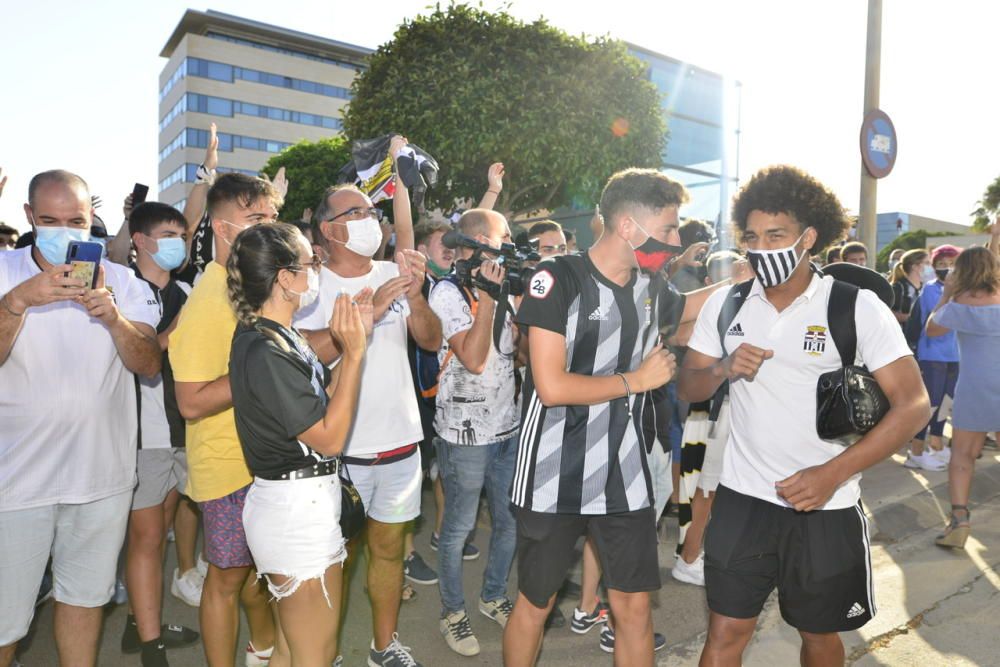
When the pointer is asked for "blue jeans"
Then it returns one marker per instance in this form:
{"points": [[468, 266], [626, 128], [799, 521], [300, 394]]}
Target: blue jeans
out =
{"points": [[465, 471], [940, 378]]}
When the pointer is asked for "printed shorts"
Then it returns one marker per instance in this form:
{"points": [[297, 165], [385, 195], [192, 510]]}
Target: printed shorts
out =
{"points": [[225, 540]]}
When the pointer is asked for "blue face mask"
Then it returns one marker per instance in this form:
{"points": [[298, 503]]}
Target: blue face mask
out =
{"points": [[170, 254], [53, 242]]}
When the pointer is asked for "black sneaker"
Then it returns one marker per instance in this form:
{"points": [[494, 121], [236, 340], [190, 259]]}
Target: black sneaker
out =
{"points": [[583, 622], [418, 571], [154, 654], [469, 552], [556, 619], [608, 640], [172, 636]]}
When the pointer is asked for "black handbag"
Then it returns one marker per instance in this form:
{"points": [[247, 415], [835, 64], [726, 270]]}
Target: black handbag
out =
{"points": [[849, 401], [352, 508]]}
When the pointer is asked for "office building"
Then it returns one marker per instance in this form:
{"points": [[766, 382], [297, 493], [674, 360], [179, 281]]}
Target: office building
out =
{"points": [[265, 87], [891, 225]]}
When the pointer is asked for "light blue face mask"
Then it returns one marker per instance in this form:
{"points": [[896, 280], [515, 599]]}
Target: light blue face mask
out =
{"points": [[53, 242], [170, 254]]}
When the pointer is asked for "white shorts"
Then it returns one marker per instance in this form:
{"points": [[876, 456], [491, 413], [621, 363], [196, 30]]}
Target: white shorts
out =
{"points": [[715, 450], [83, 540], [159, 471], [293, 529], [390, 491]]}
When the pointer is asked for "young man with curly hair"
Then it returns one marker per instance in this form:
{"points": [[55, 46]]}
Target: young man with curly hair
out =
{"points": [[787, 513]]}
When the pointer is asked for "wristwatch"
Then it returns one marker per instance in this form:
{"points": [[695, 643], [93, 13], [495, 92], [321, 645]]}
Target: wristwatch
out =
{"points": [[204, 175]]}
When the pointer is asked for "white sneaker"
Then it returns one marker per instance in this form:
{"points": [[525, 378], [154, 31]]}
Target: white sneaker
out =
{"points": [[257, 658], [690, 573], [187, 588], [457, 632], [925, 461], [943, 454]]}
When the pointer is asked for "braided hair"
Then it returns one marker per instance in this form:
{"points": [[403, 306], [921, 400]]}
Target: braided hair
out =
{"points": [[258, 253]]}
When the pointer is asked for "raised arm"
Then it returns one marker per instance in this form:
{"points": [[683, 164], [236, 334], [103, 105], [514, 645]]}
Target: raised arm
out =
{"points": [[494, 177], [121, 245], [402, 216], [194, 206]]}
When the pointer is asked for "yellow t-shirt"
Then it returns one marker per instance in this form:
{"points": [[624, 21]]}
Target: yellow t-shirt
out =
{"points": [[199, 352]]}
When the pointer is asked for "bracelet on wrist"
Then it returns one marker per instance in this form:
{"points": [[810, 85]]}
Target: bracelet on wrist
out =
{"points": [[496, 192], [628, 394]]}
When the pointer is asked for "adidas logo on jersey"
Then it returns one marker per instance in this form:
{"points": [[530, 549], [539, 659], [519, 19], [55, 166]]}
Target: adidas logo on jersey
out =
{"points": [[735, 330], [597, 315], [856, 610]]}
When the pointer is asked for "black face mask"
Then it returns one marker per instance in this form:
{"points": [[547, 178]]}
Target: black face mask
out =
{"points": [[942, 274], [652, 255]]}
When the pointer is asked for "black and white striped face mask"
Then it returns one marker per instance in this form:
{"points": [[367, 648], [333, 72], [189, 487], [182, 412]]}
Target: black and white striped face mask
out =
{"points": [[773, 267]]}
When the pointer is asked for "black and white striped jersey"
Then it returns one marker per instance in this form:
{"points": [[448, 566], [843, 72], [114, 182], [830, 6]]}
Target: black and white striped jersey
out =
{"points": [[579, 459]]}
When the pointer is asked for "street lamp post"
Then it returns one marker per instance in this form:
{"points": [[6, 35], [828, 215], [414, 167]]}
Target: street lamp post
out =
{"points": [[867, 210]]}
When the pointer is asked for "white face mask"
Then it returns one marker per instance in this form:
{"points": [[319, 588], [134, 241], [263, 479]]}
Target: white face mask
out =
{"points": [[307, 298], [363, 236], [774, 267], [927, 273]]}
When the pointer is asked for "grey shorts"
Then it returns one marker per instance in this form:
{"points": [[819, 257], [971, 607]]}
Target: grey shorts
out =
{"points": [[83, 540], [159, 471]]}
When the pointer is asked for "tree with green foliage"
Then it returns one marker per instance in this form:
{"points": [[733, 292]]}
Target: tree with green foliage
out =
{"points": [[908, 241], [310, 167], [989, 207], [473, 87]]}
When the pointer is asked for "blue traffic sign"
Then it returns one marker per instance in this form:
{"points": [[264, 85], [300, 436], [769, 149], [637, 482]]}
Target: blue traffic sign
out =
{"points": [[878, 143]]}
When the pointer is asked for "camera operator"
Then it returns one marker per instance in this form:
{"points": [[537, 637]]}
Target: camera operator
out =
{"points": [[476, 422]]}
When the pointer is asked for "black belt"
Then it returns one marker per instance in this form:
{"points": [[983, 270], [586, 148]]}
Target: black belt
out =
{"points": [[383, 458], [321, 469]]}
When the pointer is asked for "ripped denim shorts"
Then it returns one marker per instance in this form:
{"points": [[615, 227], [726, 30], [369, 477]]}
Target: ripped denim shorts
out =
{"points": [[293, 530]]}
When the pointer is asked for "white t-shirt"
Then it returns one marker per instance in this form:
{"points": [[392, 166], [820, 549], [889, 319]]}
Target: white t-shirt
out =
{"points": [[67, 403], [773, 432], [388, 416], [472, 409]]}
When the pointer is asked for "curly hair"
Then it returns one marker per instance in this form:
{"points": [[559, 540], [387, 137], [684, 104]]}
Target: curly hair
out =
{"points": [[258, 253], [789, 190]]}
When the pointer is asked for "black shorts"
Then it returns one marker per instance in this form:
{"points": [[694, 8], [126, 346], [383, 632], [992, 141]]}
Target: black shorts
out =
{"points": [[819, 561], [546, 549]]}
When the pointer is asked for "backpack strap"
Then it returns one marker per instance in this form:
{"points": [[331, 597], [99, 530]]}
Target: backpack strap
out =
{"points": [[840, 316], [473, 307], [730, 308]]}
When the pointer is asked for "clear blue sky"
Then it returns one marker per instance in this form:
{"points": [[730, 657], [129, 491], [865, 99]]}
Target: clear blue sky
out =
{"points": [[79, 83]]}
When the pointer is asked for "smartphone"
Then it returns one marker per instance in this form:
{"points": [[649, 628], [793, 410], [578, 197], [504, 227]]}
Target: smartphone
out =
{"points": [[139, 193], [84, 257]]}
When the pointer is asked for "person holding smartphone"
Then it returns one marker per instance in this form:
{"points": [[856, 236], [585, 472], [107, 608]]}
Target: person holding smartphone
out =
{"points": [[293, 417]]}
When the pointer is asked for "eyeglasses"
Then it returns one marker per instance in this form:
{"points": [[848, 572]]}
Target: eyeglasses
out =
{"points": [[359, 212], [315, 264]]}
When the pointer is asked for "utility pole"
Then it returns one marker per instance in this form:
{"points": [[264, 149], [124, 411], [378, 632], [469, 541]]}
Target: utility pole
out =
{"points": [[868, 210]]}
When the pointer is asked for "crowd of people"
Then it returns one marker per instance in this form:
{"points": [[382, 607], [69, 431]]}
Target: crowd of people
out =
{"points": [[263, 382]]}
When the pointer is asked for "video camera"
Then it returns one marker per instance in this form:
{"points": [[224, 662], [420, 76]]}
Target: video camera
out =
{"points": [[514, 258]]}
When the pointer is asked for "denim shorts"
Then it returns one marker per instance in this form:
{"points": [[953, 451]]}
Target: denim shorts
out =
{"points": [[293, 529]]}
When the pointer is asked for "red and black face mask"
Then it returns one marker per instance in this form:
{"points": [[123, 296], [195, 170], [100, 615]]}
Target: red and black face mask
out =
{"points": [[652, 255]]}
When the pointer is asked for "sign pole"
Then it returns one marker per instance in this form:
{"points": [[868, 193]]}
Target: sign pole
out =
{"points": [[867, 210]]}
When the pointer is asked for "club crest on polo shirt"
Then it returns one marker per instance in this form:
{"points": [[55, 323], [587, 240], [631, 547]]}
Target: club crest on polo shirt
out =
{"points": [[815, 340]]}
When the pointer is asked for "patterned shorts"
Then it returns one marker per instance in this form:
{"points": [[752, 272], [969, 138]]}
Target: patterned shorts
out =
{"points": [[225, 541]]}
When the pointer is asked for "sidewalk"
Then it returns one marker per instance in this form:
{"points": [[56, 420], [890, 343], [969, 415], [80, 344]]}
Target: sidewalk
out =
{"points": [[936, 607]]}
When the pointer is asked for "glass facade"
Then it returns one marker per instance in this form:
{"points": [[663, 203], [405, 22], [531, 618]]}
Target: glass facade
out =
{"points": [[186, 174], [220, 106], [209, 69], [279, 49], [702, 112], [194, 138]]}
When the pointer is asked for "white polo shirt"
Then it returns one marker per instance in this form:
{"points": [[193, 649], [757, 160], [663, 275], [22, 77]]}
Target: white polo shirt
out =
{"points": [[773, 432], [67, 402], [387, 416]]}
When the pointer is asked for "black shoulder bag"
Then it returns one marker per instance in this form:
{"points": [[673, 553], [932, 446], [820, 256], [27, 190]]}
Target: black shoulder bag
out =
{"points": [[849, 402]]}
